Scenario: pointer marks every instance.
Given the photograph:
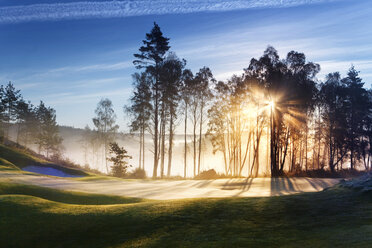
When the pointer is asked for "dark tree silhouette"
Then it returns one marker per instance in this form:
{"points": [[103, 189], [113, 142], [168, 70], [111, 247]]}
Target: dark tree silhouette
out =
{"points": [[357, 108], [186, 91], [290, 85], [171, 82], [151, 55], [10, 98], [48, 138], [119, 160], [140, 110]]}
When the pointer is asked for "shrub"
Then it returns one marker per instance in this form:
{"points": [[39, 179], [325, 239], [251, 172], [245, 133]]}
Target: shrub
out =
{"points": [[138, 173], [208, 174]]}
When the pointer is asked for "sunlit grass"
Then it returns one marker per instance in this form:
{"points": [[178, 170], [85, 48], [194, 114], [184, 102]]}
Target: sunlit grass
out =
{"points": [[337, 217], [70, 197]]}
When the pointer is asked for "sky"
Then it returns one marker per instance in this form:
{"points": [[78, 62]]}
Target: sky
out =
{"points": [[71, 54]]}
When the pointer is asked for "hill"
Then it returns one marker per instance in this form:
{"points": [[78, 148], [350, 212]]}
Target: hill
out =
{"points": [[16, 157]]}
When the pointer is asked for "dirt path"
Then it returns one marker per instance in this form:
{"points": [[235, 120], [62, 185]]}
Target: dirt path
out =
{"points": [[178, 189]]}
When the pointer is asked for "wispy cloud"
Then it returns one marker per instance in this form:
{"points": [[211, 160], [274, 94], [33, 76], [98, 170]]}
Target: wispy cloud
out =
{"points": [[73, 97], [96, 67], [114, 9], [364, 66], [78, 69]]}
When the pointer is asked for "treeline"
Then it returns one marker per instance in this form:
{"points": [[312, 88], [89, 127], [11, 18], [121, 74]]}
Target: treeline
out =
{"points": [[308, 125], [276, 111], [162, 90], [34, 125]]}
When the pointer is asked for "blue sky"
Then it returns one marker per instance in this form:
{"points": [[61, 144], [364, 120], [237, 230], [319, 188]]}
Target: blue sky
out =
{"points": [[71, 54]]}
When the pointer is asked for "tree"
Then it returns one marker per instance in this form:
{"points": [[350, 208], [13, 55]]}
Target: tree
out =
{"points": [[367, 139], [333, 96], [151, 55], [170, 85], [2, 113], [218, 124], [119, 159], [27, 122], [105, 124], [357, 109], [10, 98], [204, 79], [86, 138], [48, 137], [140, 110], [236, 122], [290, 86], [186, 91]]}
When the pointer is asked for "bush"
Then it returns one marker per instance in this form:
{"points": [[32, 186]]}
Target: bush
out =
{"points": [[119, 171], [209, 174], [138, 173]]}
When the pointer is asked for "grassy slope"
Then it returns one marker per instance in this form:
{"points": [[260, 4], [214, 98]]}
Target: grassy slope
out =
{"points": [[333, 218], [21, 158], [18, 157], [70, 197], [6, 165]]}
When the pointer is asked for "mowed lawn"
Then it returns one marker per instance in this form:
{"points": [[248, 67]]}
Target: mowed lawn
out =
{"points": [[31, 216]]}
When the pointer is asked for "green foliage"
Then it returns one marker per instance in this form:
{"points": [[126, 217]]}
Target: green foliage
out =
{"points": [[28, 123], [119, 159], [153, 50], [140, 108], [150, 57], [47, 138], [138, 173], [9, 98]]}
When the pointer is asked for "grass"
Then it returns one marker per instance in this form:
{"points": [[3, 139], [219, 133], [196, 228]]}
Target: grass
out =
{"points": [[6, 165], [61, 196], [41, 218], [19, 158]]}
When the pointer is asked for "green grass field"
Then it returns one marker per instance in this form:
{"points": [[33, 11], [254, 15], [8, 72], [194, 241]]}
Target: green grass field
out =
{"points": [[32, 216], [37, 217]]}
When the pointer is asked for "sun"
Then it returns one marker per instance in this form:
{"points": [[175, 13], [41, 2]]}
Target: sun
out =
{"points": [[272, 104]]}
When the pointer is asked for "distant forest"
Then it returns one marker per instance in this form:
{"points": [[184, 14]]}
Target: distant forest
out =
{"points": [[34, 124], [277, 110]]}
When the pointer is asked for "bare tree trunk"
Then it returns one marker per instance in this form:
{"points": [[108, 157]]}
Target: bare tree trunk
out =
{"points": [[268, 148], [224, 154], [307, 131], [105, 157], [185, 149], [170, 145], [143, 148], [194, 142], [18, 128], [140, 150], [156, 129], [200, 134], [162, 155]]}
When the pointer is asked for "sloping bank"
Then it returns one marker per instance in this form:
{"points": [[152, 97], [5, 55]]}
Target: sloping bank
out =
{"points": [[23, 160]]}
